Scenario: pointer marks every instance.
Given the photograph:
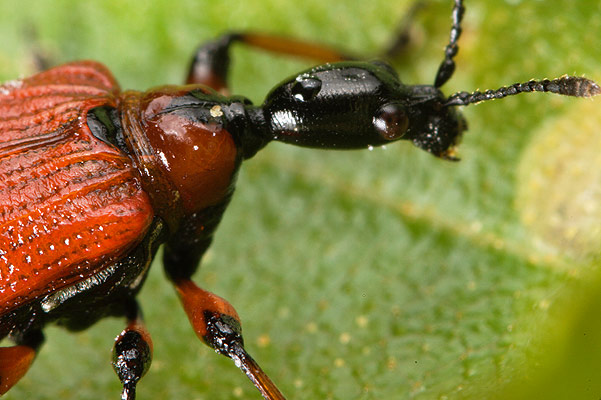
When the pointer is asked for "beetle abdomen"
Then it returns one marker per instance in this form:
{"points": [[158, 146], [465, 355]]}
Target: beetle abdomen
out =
{"points": [[70, 203]]}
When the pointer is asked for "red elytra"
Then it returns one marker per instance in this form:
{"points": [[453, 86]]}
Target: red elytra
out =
{"points": [[93, 180], [81, 217], [70, 204]]}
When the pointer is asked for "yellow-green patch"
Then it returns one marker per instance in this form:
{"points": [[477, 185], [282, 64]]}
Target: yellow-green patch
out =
{"points": [[559, 182]]}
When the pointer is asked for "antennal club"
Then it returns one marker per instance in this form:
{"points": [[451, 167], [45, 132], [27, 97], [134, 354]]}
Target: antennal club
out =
{"points": [[566, 86], [447, 67]]}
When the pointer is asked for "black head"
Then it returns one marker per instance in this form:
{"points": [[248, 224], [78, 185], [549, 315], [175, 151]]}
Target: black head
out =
{"points": [[353, 105]]}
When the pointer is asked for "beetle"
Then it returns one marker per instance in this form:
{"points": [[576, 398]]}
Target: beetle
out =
{"points": [[95, 179]]}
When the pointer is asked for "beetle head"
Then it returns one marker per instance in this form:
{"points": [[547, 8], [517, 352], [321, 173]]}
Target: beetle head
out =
{"points": [[353, 105], [434, 126]]}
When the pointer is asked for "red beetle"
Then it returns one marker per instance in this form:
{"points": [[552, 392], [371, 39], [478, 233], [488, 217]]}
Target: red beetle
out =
{"points": [[94, 179]]}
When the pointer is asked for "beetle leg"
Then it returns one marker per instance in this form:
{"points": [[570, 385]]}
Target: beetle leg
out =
{"points": [[16, 360], [132, 354], [210, 65], [14, 363], [214, 319], [216, 322], [402, 38], [39, 58]]}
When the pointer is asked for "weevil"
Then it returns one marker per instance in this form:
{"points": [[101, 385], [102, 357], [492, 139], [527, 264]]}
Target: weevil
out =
{"points": [[94, 179]]}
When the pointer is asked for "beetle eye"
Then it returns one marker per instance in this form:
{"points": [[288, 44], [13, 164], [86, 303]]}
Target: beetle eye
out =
{"points": [[391, 121], [305, 88]]}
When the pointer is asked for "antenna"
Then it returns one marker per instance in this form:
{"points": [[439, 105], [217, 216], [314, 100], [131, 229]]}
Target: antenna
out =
{"points": [[447, 66], [566, 86]]}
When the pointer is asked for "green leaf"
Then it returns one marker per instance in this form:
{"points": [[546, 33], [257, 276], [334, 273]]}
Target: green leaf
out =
{"points": [[384, 274]]}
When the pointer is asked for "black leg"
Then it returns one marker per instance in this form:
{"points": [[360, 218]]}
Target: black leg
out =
{"points": [[132, 353]]}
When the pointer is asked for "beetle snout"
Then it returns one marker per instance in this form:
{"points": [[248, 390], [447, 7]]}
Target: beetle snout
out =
{"points": [[440, 133]]}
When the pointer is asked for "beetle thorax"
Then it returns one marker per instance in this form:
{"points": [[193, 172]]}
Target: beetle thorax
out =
{"points": [[186, 157]]}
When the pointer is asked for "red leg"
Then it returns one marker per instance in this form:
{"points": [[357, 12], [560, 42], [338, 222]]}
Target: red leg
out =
{"points": [[16, 360], [210, 65], [14, 363], [216, 322]]}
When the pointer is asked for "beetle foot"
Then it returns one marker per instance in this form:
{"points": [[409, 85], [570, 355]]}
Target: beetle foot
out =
{"points": [[216, 322], [132, 355]]}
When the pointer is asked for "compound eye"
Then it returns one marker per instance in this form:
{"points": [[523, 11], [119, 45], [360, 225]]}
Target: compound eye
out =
{"points": [[305, 88], [391, 121]]}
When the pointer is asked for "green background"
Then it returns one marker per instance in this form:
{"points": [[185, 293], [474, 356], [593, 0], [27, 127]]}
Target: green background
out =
{"points": [[384, 274]]}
